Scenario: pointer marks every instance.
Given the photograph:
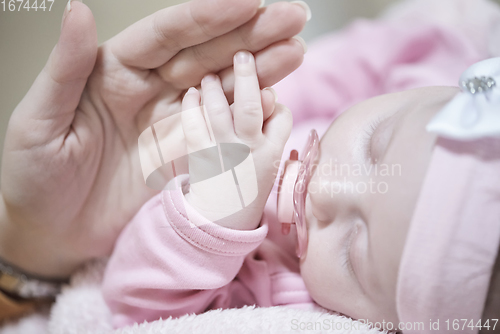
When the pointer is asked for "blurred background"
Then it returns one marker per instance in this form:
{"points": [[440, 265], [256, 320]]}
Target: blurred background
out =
{"points": [[27, 37]]}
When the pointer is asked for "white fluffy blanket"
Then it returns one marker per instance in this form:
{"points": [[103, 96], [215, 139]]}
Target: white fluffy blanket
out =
{"points": [[80, 308]]}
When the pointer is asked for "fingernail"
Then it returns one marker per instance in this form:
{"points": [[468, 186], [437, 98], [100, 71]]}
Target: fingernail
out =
{"points": [[191, 90], [262, 3], [271, 89], [302, 42], [243, 57], [67, 9], [209, 78], [68, 6], [306, 7]]}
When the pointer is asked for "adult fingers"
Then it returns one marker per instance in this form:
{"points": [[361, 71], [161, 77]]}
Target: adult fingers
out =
{"points": [[49, 106], [273, 64], [272, 24], [152, 41]]}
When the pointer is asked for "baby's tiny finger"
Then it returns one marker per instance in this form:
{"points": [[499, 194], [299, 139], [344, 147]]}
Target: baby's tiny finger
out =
{"points": [[219, 114], [269, 98], [191, 99], [248, 113], [272, 65], [193, 122], [278, 127]]}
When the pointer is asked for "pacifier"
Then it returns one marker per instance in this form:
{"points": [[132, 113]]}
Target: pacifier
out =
{"points": [[292, 191]]}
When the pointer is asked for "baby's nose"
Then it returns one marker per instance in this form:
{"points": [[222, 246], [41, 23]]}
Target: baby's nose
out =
{"points": [[331, 195]]}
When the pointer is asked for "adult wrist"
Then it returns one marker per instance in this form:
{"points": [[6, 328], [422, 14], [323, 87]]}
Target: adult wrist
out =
{"points": [[32, 249]]}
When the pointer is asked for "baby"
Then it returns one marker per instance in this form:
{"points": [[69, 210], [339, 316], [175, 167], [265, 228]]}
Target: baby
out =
{"points": [[194, 247]]}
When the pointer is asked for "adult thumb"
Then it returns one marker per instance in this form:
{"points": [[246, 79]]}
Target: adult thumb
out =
{"points": [[51, 102]]}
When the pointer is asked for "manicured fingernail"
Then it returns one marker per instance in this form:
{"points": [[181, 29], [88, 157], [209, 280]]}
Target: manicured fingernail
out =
{"points": [[271, 89], [67, 9], [306, 7], [209, 78], [242, 57], [68, 6], [302, 42], [262, 3]]}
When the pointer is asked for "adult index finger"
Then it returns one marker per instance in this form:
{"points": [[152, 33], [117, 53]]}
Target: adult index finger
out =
{"points": [[152, 41]]}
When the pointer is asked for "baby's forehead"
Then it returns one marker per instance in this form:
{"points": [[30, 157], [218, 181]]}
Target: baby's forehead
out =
{"points": [[420, 99]]}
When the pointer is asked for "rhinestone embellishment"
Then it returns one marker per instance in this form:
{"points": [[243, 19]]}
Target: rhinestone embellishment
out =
{"points": [[478, 85]]}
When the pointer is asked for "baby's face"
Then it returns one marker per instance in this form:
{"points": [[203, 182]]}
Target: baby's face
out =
{"points": [[361, 197]]}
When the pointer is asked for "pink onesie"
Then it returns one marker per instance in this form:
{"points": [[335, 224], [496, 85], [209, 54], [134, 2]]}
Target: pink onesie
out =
{"points": [[163, 266]]}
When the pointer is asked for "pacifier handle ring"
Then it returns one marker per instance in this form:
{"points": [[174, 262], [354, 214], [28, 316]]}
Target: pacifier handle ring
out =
{"points": [[285, 199]]}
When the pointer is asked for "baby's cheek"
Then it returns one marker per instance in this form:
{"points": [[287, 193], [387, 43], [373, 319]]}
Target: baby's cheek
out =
{"points": [[317, 271], [311, 275]]}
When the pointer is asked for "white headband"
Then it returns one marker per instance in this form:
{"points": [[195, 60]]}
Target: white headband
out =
{"points": [[453, 239]]}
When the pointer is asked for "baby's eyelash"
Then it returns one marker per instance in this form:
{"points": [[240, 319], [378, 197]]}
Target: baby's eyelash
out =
{"points": [[367, 136], [346, 260]]}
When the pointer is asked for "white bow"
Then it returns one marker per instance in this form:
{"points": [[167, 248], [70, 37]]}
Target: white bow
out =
{"points": [[475, 112]]}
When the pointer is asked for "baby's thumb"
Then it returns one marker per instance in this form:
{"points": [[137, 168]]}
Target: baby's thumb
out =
{"points": [[269, 98], [57, 90], [279, 125]]}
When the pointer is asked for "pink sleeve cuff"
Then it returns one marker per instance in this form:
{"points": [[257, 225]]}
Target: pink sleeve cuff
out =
{"points": [[204, 234]]}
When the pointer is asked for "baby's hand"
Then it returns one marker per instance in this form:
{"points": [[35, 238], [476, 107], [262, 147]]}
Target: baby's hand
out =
{"points": [[234, 150]]}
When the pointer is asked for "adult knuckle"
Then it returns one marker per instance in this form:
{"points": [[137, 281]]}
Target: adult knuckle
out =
{"points": [[169, 72], [290, 16], [203, 22], [161, 37], [245, 38], [204, 59]]}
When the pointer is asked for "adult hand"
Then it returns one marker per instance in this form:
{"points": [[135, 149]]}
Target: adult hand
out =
{"points": [[71, 177]]}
